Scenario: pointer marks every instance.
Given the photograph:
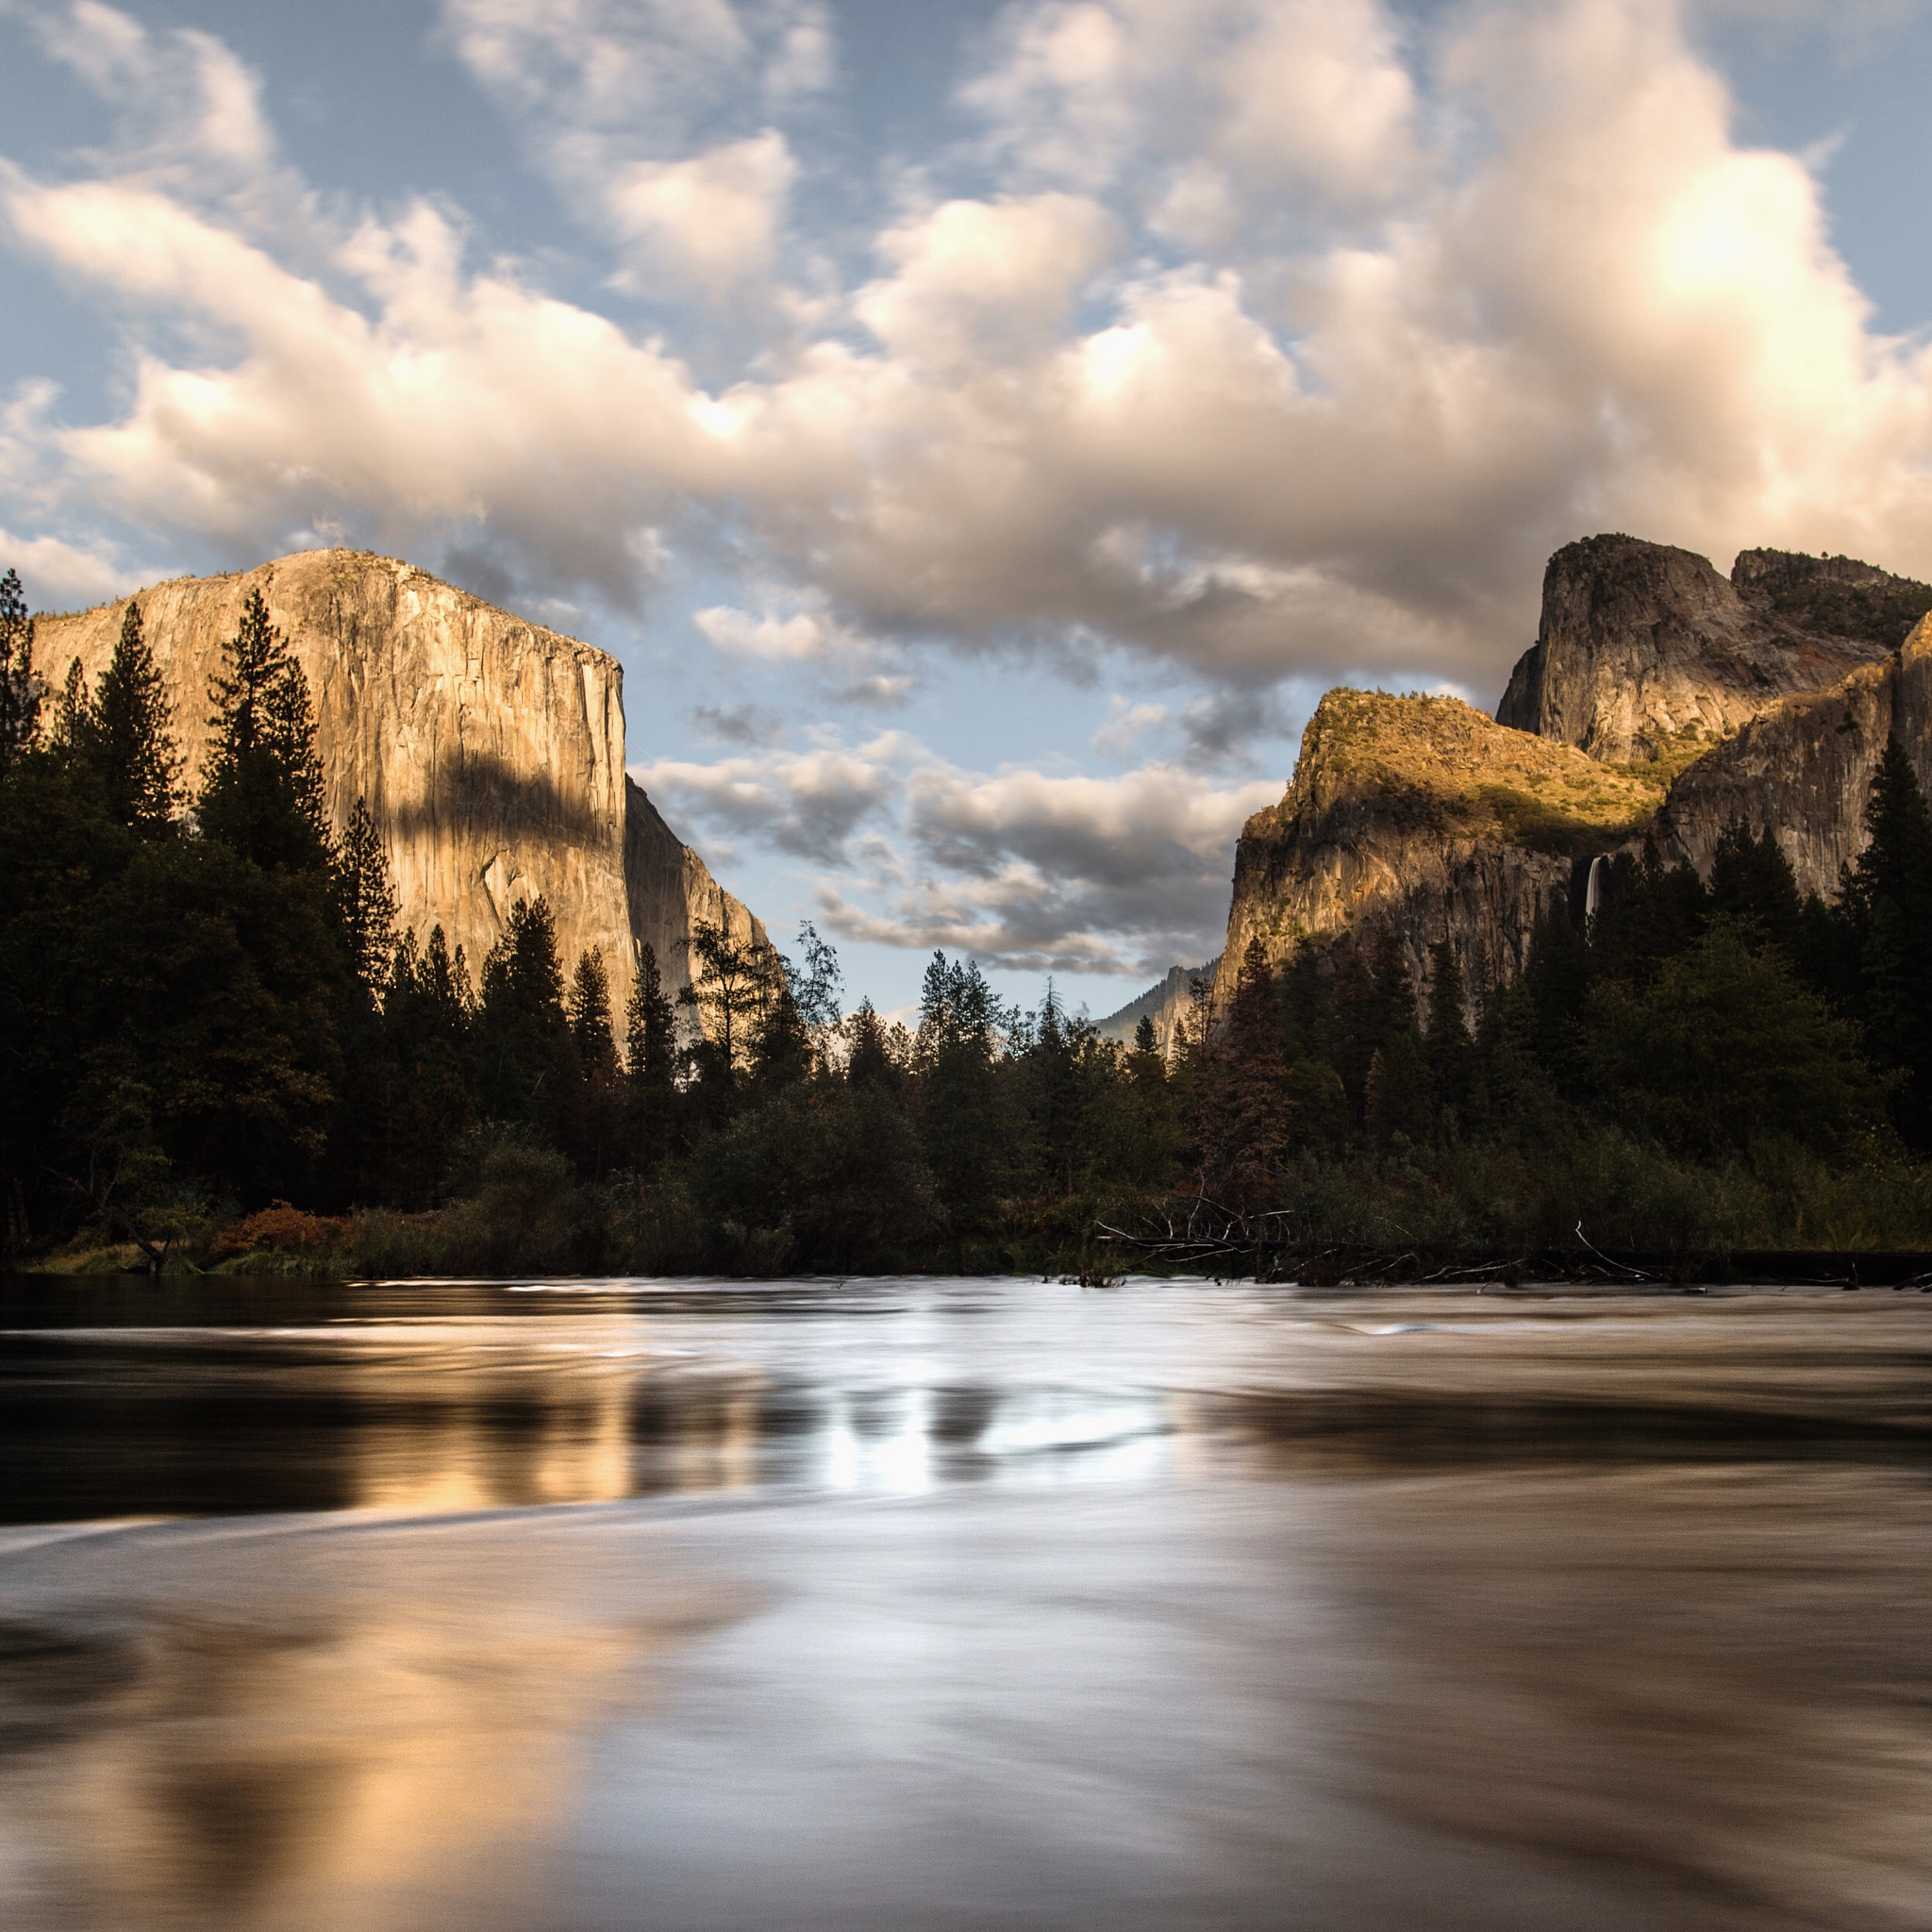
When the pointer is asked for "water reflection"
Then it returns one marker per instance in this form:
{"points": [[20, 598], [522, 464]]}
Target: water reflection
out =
{"points": [[479, 1398], [939, 1605]]}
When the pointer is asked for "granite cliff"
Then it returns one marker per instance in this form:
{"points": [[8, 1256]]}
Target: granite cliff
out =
{"points": [[490, 750], [1425, 814], [1660, 699], [1644, 651]]}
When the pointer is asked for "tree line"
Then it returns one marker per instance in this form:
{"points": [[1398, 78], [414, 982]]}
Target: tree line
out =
{"points": [[208, 1019]]}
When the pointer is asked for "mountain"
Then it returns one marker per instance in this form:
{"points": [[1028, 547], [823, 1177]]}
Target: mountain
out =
{"points": [[1644, 651], [1425, 814], [490, 750], [1659, 700], [1166, 1002]]}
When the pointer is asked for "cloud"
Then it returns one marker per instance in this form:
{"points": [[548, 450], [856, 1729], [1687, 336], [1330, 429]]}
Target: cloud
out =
{"points": [[57, 575], [1044, 872], [1499, 280], [713, 219], [645, 114], [1125, 726], [806, 804], [1022, 868], [736, 724]]}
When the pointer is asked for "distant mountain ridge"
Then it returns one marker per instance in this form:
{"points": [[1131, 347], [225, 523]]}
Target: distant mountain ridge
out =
{"points": [[1166, 1003]]}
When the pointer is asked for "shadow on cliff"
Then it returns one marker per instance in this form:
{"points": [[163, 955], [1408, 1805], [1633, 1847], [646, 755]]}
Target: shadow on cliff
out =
{"points": [[483, 794]]}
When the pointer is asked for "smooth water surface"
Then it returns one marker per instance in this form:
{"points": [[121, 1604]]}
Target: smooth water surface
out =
{"points": [[951, 1604]]}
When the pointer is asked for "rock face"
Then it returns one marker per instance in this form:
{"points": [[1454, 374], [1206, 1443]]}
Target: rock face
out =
{"points": [[1645, 652], [1167, 1001], [1660, 699], [1804, 768], [1427, 815], [490, 750]]}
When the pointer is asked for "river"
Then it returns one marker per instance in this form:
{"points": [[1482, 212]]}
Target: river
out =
{"points": [[961, 1604]]}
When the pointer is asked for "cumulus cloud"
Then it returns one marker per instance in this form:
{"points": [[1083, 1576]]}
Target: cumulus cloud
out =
{"points": [[1348, 457], [806, 804], [1021, 868], [623, 103], [711, 219]]}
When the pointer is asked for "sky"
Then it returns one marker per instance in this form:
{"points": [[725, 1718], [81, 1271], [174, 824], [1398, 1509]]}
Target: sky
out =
{"points": [[980, 430]]}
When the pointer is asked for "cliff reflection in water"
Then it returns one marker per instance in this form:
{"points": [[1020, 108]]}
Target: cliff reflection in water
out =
{"points": [[912, 1605]]}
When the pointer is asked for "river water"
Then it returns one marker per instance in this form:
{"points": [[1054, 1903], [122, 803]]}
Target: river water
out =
{"points": [[938, 1604]]}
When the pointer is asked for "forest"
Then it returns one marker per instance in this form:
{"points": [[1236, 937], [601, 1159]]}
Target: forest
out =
{"points": [[218, 1052]]}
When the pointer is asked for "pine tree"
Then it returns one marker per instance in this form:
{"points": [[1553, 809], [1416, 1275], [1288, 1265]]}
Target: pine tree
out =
{"points": [[367, 899], [650, 1064], [601, 1111], [133, 744], [868, 1059], [1446, 1038], [74, 721], [1751, 879], [261, 791], [526, 1060], [20, 690], [1887, 904], [1255, 1122]]}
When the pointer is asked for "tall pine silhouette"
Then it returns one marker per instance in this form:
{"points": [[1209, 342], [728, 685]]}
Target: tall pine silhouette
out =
{"points": [[261, 791], [1886, 902], [131, 736]]}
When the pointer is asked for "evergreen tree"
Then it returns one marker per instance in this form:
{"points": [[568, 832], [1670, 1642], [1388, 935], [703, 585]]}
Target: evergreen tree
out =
{"points": [[1446, 1038], [601, 1111], [74, 722], [964, 1122], [1751, 880], [734, 984], [526, 1060], [1887, 906], [1557, 980], [421, 1092], [367, 899], [650, 1064], [20, 690], [133, 743], [261, 789], [868, 1060]]}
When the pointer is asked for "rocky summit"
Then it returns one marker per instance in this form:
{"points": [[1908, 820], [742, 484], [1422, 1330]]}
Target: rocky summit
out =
{"points": [[490, 750], [1661, 701]]}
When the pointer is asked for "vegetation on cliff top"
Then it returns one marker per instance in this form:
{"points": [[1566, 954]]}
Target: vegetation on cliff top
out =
{"points": [[1438, 764]]}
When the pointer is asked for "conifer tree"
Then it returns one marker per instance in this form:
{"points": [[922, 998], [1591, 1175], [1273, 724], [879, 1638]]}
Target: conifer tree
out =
{"points": [[588, 1012], [367, 898], [526, 1060], [261, 791], [1751, 880], [133, 743], [1887, 904], [650, 1063], [74, 724], [1253, 1123], [868, 1059], [1446, 1038], [20, 690]]}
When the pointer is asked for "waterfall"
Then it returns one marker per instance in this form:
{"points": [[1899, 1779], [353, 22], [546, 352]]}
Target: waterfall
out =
{"points": [[1594, 890]]}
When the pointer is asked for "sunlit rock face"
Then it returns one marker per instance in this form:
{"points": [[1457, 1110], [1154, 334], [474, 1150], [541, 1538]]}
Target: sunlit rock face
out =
{"points": [[1423, 814], [490, 750], [1645, 652], [1804, 769]]}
